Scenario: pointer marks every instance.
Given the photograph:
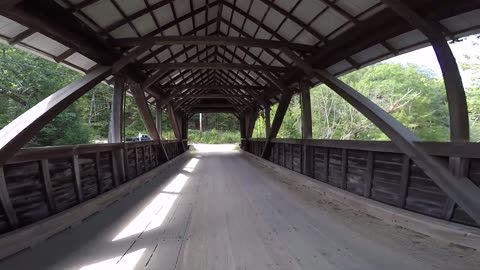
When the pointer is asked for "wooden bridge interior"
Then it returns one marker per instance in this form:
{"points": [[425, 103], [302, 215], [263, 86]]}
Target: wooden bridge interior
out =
{"points": [[183, 57]]}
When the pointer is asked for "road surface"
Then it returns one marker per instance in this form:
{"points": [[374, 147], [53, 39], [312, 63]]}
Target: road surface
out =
{"points": [[219, 210]]}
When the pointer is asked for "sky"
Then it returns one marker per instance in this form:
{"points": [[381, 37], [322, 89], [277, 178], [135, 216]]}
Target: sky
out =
{"points": [[426, 57]]}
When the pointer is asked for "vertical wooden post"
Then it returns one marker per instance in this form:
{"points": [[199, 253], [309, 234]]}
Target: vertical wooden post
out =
{"points": [[115, 131], [250, 123], [150, 156], [176, 124], [267, 121], [115, 127], [344, 168], [326, 164], [47, 184], [158, 118], [144, 155], [6, 202], [137, 164], [243, 131], [119, 169], [306, 127], [77, 179], [98, 167], [368, 175], [404, 181]]}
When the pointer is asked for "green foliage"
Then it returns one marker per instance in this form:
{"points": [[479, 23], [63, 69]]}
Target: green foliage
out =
{"points": [[409, 93], [215, 128], [471, 65], [25, 80], [213, 136]]}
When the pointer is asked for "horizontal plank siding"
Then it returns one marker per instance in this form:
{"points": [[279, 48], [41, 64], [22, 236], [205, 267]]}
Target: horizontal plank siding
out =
{"points": [[380, 171], [40, 182]]}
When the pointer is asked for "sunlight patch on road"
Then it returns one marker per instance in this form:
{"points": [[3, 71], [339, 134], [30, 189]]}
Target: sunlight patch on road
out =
{"points": [[153, 215], [191, 165], [126, 262]]}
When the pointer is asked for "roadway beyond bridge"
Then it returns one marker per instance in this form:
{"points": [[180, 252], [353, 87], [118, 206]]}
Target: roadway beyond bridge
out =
{"points": [[216, 209]]}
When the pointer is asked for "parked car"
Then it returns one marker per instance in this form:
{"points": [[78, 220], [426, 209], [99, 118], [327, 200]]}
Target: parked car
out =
{"points": [[140, 137]]}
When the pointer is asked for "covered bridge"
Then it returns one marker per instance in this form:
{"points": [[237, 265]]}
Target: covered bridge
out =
{"points": [[403, 204]]}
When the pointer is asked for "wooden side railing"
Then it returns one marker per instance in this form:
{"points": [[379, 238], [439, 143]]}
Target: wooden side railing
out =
{"points": [[39, 182], [377, 170]]}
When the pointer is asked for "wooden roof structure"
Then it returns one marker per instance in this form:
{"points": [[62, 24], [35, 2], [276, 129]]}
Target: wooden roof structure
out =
{"points": [[224, 55]]}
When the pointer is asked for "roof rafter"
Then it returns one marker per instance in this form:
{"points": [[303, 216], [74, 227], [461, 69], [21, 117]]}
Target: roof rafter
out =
{"points": [[212, 65], [215, 40]]}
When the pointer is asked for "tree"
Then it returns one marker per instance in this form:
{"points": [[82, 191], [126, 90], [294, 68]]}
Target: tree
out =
{"points": [[410, 93], [470, 65]]}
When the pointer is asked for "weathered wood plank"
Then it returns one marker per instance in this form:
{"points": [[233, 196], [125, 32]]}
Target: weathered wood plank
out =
{"points": [[76, 176], [6, 202], [404, 181], [47, 184], [99, 172], [369, 175]]}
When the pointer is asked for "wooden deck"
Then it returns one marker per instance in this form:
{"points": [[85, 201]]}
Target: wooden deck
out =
{"points": [[222, 211]]}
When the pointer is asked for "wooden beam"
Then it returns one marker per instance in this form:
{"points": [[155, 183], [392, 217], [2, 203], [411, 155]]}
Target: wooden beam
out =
{"points": [[212, 65], [173, 122], [47, 186], [116, 116], [267, 120], [6, 202], [182, 18], [459, 188], [81, 5], [217, 105], [277, 122], [76, 178], [212, 110], [139, 96], [158, 118], [457, 103], [120, 64], [251, 118], [18, 38], [210, 87], [5, 5], [306, 110], [306, 127], [135, 15], [210, 96], [53, 21], [215, 41], [154, 78], [243, 128]]}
